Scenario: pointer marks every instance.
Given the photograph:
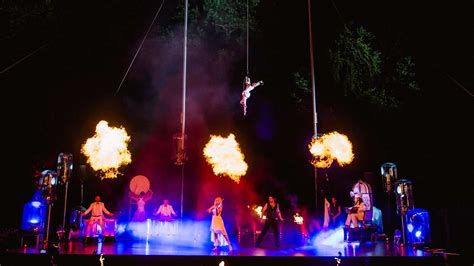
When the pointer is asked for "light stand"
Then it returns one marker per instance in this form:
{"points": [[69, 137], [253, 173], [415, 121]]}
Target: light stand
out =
{"points": [[64, 171], [180, 154], [404, 194], [82, 178], [47, 185], [313, 90], [389, 175]]}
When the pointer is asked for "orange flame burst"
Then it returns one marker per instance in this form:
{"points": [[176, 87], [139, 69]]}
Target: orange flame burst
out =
{"points": [[331, 147], [225, 157], [107, 150], [258, 211]]}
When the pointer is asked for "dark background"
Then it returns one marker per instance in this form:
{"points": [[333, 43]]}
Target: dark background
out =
{"points": [[53, 100]]}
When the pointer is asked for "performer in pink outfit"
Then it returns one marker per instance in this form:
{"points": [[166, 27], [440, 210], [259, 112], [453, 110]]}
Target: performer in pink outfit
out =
{"points": [[246, 93], [97, 210], [140, 213], [218, 233]]}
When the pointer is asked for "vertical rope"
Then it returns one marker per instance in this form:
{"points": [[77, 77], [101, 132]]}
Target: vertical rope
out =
{"points": [[313, 90], [140, 47], [247, 37], [183, 112]]}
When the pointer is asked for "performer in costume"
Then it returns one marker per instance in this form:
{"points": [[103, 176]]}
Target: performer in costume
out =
{"points": [[356, 213], [334, 212], [246, 93], [165, 212], [97, 210], [218, 233], [140, 213], [271, 210]]}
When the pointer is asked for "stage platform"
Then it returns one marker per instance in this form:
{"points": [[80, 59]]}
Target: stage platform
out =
{"points": [[167, 251]]}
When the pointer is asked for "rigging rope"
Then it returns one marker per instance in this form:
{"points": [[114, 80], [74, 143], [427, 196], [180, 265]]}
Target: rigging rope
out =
{"points": [[247, 37], [140, 47]]}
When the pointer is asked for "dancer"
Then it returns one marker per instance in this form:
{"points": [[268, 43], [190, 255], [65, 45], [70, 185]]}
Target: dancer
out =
{"points": [[217, 225], [165, 218], [273, 215], [246, 93], [140, 213], [356, 213], [98, 209], [165, 211], [334, 212]]}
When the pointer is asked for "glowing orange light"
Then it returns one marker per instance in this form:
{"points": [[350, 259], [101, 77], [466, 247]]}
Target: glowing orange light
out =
{"points": [[329, 148], [225, 157], [297, 218], [107, 150], [258, 211]]}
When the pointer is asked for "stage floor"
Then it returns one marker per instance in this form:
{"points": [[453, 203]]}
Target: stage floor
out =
{"points": [[171, 250], [244, 246]]}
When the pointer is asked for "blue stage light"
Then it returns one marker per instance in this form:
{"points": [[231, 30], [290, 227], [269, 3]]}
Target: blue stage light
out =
{"points": [[34, 215], [418, 234], [418, 227]]}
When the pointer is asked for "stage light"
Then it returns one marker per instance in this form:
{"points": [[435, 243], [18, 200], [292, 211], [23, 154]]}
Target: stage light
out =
{"points": [[389, 176], [34, 214], [418, 222], [404, 197], [418, 234]]}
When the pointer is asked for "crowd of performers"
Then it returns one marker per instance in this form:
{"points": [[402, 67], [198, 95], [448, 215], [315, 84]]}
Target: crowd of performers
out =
{"points": [[270, 216]]}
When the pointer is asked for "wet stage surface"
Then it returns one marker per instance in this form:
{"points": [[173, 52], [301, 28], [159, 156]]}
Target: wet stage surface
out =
{"points": [[181, 250], [244, 247]]}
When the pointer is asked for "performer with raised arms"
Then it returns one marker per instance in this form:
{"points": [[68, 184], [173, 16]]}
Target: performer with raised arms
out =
{"points": [[246, 93]]}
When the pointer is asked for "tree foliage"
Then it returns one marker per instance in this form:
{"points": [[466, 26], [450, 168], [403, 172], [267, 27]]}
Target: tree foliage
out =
{"points": [[222, 20], [229, 17], [364, 72]]}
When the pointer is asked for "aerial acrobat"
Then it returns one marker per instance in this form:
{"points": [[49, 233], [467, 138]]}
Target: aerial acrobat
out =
{"points": [[246, 92]]}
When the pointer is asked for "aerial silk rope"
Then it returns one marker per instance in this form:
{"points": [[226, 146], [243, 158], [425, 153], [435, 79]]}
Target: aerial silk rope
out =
{"points": [[139, 47], [248, 85]]}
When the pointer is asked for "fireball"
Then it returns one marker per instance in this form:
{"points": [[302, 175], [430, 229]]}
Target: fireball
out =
{"points": [[329, 148], [107, 150], [225, 157], [258, 210]]}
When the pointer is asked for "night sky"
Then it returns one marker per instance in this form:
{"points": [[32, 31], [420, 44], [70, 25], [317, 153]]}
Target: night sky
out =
{"points": [[53, 100]]}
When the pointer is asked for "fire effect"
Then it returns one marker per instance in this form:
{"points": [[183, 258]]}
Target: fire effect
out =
{"points": [[107, 150], [258, 211], [297, 218], [331, 147], [225, 157]]}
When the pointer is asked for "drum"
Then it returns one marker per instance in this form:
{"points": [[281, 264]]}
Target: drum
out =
{"points": [[139, 183]]}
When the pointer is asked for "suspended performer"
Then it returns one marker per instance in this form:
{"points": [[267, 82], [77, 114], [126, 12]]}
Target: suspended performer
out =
{"points": [[246, 93], [218, 233]]}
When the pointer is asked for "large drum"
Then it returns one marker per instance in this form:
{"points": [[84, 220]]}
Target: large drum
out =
{"points": [[138, 184]]}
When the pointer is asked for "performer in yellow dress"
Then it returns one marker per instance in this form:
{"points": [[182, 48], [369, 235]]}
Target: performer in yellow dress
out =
{"points": [[218, 233]]}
